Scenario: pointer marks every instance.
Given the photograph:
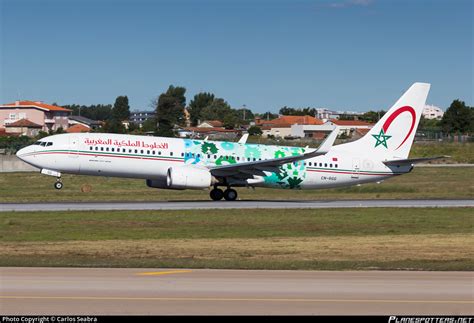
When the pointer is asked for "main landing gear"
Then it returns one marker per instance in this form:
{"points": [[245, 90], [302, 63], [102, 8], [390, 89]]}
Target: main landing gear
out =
{"points": [[58, 185], [229, 194]]}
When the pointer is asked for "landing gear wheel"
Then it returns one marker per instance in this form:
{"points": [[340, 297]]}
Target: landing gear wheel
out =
{"points": [[216, 194], [58, 185], [230, 194]]}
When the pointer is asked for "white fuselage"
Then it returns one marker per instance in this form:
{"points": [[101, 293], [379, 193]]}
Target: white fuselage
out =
{"points": [[130, 156]]}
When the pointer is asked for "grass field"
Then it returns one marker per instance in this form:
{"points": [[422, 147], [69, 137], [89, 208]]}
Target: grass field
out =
{"points": [[391, 238], [427, 182]]}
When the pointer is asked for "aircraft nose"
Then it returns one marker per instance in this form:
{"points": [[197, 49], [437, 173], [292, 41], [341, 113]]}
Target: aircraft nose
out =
{"points": [[23, 152]]}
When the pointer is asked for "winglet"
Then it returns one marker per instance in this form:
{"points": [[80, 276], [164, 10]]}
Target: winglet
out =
{"points": [[329, 141], [244, 138]]}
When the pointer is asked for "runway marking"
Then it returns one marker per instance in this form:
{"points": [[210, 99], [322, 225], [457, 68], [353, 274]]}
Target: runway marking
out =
{"points": [[159, 273], [197, 299]]}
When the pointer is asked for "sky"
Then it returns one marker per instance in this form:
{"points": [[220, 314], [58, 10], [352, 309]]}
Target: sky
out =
{"points": [[348, 55]]}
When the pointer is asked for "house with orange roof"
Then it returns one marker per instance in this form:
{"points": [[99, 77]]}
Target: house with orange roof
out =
{"points": [[349, 128], [281, 126], [23, 127], [49, 117]]}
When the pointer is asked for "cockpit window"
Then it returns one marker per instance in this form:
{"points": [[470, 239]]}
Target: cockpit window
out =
{"points": [[43, 143], [49, 144], [37, 143]]}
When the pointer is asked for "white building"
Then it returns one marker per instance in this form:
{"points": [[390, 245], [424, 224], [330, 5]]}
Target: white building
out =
{"points": [[346, 127], [432, 112]]}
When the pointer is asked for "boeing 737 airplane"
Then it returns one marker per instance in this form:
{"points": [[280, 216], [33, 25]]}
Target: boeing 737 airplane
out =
{"points": [[173, 163]]}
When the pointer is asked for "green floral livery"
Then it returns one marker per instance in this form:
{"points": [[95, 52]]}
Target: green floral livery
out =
{"points": [[210, 153]]}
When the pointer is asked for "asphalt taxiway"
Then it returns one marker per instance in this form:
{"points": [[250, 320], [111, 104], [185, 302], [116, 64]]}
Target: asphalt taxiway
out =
{"points": [[243, 204], [80, 291]]}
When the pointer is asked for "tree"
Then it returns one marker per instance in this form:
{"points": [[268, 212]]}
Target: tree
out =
{"points": [[149, 125], [217, 110], [121, 110], [94, 112], [267, 115], [458, 118], [114, 126], [199, 102], [286, 111], [170, 110], [372, 116], [255, 131], [230, 120], [245, 115]]}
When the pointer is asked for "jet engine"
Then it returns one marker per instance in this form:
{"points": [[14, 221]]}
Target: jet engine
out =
{"points": [[187, 177]]}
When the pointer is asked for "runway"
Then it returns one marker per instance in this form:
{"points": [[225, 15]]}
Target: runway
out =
{"points": [[250, 204], [61, 291]]}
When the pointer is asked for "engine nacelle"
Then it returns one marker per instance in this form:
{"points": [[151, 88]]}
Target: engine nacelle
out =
{"points": [[188, 177], [157, 183]]}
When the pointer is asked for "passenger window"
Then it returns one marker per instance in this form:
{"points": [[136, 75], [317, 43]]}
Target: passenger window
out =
{"points": [[309, 163], [113, 149], [141, 151], [215, 156], [129, 151], [325, 165], [182, 154], [209, 156], [171, 153], [136, 151], [330, 165], [320, 164], [335, 165], [90, 148], [124, 150], [152, 152], [159, 153], [101, 148], [107, 149], [147, 152], [96, 148]]}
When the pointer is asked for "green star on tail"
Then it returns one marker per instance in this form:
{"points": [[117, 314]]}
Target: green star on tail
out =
{"points": [[381, 139]]}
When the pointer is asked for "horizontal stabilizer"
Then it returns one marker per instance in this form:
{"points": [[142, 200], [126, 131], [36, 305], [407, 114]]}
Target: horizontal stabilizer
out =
{"points": [[411, 161], [244, 138], [328, 142]]}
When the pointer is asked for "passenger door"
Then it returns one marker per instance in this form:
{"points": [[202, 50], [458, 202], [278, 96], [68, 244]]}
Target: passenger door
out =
{"points": [[355, 168]]}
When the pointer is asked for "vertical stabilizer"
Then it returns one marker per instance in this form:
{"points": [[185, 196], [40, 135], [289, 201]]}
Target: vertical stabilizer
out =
{"points": [[393, 135]]}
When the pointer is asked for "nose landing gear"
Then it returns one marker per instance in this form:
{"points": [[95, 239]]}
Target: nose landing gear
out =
{"points": [[58, 185]]}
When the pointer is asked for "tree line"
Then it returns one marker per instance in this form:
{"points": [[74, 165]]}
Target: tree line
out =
{"points": [[170, 111]]}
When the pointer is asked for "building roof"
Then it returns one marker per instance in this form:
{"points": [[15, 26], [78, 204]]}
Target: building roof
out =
{"points": [[350, 122], [214, 123], [362, 132], [25, 123], [36, 104], [288, 121], [77, 128], [205, 129]]}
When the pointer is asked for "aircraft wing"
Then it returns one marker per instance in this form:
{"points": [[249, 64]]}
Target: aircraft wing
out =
{"points": [[249, 169], [411, 161]]}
